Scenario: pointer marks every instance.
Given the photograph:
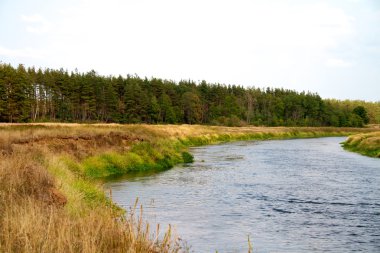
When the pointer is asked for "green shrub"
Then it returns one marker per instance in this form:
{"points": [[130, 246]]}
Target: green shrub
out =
{"points": [[187, 157]]}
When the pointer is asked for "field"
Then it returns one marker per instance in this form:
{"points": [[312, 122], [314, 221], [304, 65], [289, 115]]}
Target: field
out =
{"points": [[51, 195]]}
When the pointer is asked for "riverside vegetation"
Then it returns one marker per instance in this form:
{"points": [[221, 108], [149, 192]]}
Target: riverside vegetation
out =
{"points": [[51, 196], [366, 144]]}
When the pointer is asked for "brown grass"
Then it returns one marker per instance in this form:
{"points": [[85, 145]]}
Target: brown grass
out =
{"points": [[34, 219], [47, 206], [364, 143], [42, 212]]}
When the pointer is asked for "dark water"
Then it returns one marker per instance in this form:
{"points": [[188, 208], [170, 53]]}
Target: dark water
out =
{"points": [[303, 195]]}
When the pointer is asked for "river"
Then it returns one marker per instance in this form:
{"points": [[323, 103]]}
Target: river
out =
{"points": [[299, 195]]}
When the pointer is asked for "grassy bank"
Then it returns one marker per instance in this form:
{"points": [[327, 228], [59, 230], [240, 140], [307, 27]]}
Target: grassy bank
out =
{"points": [[51, 196], [366, 144], [163, 152]]}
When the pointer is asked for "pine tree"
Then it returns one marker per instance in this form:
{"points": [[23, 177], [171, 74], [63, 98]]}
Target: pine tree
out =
{"points": [[192, 108], [167, 112], [154, 110]]}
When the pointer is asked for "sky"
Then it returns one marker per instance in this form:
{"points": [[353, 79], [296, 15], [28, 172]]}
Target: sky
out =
{"points": [[329, 47]]}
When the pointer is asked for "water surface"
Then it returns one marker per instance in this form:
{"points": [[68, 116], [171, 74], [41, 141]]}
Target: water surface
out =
{"points": [[302, 195]]}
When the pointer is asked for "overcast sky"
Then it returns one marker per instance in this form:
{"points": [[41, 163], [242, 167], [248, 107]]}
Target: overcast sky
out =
{"points": [[330, 47]]}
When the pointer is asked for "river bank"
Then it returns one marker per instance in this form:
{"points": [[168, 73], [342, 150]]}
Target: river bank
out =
{"points": [[366, 144], [51, 176]]}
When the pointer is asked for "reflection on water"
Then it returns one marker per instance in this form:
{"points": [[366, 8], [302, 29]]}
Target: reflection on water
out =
{"points": [[298, 195]]}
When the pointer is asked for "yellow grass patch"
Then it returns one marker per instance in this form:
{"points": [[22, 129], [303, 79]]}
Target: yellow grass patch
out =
{"points": [[364, 143]]}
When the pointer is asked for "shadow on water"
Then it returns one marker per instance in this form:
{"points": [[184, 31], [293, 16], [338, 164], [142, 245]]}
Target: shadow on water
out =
{"points": [[133, 175]]}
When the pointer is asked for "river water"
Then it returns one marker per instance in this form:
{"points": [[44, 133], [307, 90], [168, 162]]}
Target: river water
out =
{"points": [[300, 195]]}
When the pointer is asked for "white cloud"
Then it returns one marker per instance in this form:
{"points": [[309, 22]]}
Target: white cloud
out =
{"points": [[36, 23], [338, 63], [22, 53], [198, 39]]}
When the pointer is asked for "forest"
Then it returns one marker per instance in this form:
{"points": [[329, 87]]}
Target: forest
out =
{"points": [[49, 95]]}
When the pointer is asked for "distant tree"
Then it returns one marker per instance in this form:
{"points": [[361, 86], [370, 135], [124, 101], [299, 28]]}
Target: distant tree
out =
{"points": [[57, 95], [154, 110], [109, 107], [3, 94], [362, 113], [136, 103], [355, 120], [88, 87], [15, 90], [192, 108], [167, 111]]}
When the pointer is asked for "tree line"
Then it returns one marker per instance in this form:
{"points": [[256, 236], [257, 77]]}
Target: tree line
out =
{"points": [[38, 95]]}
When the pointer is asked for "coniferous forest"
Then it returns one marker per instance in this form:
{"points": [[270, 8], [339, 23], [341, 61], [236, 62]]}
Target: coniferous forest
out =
{"points": [[39, 95]]}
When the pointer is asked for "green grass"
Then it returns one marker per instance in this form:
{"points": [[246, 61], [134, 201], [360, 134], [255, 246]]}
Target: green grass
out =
{"points": [[161, 154], [82, 194], [158, 156]]}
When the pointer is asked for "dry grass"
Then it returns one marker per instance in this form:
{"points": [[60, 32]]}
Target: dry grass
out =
{"points": [[48, 205], [34, 219], [30, 227], [365, 143], [45, 207], [103, 136]]}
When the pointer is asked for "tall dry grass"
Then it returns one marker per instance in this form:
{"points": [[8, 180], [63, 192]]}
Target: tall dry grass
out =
{"points": [[100, 137], [364, 143], [35, 216]]}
